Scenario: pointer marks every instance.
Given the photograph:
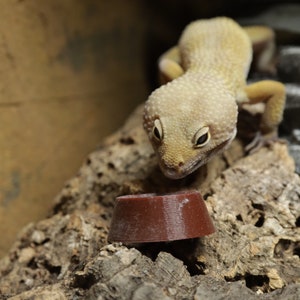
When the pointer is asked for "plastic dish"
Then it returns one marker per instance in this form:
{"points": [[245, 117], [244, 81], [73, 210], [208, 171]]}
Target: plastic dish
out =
{"points": [[147, 218]]}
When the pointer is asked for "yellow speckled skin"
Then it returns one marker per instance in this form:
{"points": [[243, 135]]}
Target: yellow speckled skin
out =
{"points": [[219, 47], [201, 101]]}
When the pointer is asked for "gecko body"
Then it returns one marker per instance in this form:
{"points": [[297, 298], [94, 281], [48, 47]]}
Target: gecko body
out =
{"points": [[193, 116]]}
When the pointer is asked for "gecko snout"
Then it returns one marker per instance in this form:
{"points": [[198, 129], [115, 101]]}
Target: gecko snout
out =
{"points": [[175, 165], [173, 170]]}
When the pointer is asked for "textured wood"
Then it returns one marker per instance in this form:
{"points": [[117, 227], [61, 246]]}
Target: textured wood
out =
{"points": [[253, 200]]}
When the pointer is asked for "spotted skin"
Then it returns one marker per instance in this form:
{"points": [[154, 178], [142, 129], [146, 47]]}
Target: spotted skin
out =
{"points": [[193, 116]]}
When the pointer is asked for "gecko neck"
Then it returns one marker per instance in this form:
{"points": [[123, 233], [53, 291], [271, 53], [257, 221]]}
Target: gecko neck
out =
{"points": [[232, 79]]}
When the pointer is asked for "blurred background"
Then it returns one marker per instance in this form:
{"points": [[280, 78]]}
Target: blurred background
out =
{"points": [[71, 71]]}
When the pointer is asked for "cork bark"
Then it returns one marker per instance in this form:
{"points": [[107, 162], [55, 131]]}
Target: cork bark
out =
{"points": [[252, 199]]}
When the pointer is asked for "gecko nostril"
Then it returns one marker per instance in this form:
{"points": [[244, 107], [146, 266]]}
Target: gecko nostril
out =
{"points": [[180, 164]]}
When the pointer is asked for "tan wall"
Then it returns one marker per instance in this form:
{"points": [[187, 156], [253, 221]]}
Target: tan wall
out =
{"points": [[70, 72]]}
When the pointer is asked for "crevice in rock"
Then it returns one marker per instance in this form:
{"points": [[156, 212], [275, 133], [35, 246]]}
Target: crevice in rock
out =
{"points": [[84, 281], [183, 250], [286, 247], [127, 140], [260, 221], [257, 282]]}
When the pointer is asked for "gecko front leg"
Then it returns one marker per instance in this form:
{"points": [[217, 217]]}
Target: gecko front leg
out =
{"points": [[272, 93], [169, 65]]}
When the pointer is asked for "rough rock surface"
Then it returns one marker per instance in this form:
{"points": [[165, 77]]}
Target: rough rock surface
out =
{"points": [[254, 201]]}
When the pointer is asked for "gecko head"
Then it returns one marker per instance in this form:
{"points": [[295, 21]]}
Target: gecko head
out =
{"points": [[188, 122]]}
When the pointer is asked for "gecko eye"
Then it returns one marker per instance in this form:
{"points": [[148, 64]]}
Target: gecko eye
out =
{"points": [[202, 137], [157, 130]]}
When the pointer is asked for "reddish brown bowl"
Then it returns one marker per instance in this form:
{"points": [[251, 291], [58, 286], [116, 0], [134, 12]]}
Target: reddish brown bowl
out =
{"points": [[155, 218]]}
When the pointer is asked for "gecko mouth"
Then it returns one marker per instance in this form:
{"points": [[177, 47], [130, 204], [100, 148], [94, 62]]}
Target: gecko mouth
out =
{"points": [[191, 166]]}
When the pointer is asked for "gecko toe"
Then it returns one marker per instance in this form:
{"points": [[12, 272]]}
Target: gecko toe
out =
{"points": [[260, 140]]}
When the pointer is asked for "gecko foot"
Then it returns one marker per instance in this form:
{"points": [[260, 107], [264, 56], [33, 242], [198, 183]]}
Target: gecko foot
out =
{"points": [[261, 140]]}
